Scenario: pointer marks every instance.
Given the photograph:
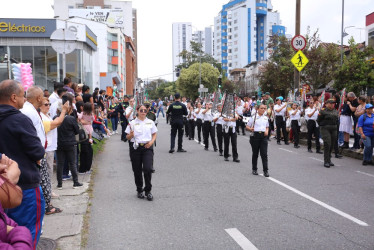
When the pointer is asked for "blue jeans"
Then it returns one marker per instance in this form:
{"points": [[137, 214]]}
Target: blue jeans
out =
{"points": [[162, 111], [114, 122], [368, 151], [341, 138], [99, 127], [106, 123]]}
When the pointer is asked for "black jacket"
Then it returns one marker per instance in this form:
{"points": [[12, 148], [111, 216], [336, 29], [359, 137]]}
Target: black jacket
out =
{"points": [[20, 142], [66, 133], [176, 111]]}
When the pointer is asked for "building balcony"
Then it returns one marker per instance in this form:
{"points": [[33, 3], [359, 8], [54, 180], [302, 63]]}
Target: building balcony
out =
{"points": [[114, 60], [114, 45]]}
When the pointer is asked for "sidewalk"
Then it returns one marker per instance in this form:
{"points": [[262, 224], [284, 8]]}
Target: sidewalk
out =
{"points": [[65, 228]]}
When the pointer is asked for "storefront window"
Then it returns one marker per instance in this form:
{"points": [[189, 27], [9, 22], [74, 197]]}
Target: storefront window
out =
{"points": [[87, 68], [39, 67], [51, 56], [73, 66], [3, 63], [15, 53]]}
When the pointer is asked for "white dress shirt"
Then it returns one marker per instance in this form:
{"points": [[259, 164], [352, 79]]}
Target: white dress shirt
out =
{"points": [[282, 112], [53, 98], [129, 110], [295, 117], [200, 114], [309, 111], [208, 116], [261, 123], [220, 120], [30, 111], [143, 130]]}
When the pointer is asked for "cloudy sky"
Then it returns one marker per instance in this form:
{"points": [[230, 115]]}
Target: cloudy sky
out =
{"points": [[155, 18]]}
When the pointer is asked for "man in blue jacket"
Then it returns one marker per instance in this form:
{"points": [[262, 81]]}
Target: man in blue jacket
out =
{"points": [[20, 142]]}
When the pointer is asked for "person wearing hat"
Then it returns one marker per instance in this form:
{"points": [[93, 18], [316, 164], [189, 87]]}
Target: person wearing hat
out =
{"points": [[280, 119], [295, 115], [176, 111], [328, 120], [366, 131], [270, 107]]}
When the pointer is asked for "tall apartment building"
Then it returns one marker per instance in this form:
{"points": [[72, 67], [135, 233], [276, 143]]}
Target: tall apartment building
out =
{"points": [[370, 30], [242, 31], [205, 38], [113, 23]]}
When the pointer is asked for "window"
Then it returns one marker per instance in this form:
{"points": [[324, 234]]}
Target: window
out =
{"points": [[236, 35], [236, 28], [236, 49], [236, 21], [235, 42]]}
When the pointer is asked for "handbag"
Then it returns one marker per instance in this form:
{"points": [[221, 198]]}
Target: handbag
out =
{"points": [[82, 134]]}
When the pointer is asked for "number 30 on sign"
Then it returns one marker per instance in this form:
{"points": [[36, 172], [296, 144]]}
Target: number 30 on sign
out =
{"points": [[298, 43]]}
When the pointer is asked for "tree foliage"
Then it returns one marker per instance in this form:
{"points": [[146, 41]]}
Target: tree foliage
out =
{"points": [[160, 88], [356, 74], [188, 82]]}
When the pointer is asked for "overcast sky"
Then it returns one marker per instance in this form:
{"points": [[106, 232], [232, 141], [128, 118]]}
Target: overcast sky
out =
{"points": [[155, 18]]}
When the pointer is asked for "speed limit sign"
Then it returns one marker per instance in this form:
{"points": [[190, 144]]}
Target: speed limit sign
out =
{"points": [[298, 43]]}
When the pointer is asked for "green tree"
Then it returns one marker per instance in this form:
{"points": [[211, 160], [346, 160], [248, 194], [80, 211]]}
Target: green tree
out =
{"points": [[188, 82], [356, 74]]}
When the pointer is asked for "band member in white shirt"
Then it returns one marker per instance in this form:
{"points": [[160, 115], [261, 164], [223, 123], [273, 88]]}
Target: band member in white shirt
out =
{"points": [[311, 115], [280, 110], [218, 120], [143, 132], [208, 127], [239, 122], [295, 115], [259, 125], [191, 122], [229, 132], [199, 120]]}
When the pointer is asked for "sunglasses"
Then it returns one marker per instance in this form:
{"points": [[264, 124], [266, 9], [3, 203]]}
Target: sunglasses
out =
{"points": [[47, 104], [143, 111]]}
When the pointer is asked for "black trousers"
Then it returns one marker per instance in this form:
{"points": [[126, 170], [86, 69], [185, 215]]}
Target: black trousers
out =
{"points": [[142, 164], [199, 124], [295, 131], [167, 118], [219, 137], [209, 130], [86, 156], [124, 124], [191, 126], [240, 124], [259, 144], [231, 134], [281, 125], [70, 154], [313, 130], [186, 126], [271, 127], [176, 126]]}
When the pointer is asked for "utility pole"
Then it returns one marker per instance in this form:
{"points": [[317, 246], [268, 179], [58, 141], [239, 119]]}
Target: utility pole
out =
{"points": [[341, 48], [297, 32]]}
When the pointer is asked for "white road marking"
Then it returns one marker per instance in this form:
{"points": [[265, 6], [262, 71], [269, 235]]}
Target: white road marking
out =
{"points": [[335, 210], [200, 143], [365, 173], [316, 159], [242, 241], [286, 150]]}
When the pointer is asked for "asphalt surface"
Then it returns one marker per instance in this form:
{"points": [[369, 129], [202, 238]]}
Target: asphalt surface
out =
{"points": [[203, 202]]}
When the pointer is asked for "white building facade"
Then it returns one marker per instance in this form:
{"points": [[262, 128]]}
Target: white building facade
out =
{"points": [[242, 31], [182, 36]]}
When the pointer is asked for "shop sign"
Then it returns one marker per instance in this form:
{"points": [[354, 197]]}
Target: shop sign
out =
{"points": [[111, 17], [18, 27]]}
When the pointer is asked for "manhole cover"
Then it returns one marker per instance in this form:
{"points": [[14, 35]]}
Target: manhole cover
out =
{"points": [[46, 244]]}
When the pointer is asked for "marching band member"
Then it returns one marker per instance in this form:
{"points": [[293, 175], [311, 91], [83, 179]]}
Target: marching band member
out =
{"points": [[191, 122], [218, 120], [280, 120], [199, 120], [295, 116], [239, 111], [208, 127], [311, 114], [259, 125], [229, 132]]}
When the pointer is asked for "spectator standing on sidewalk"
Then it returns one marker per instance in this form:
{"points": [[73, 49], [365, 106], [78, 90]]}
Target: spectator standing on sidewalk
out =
{"points": [[20, 142], [160, 108], [366, 130]]}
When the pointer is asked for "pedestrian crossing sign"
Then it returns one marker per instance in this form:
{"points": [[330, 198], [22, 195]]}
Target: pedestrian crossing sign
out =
{"points": [[299, 60]]}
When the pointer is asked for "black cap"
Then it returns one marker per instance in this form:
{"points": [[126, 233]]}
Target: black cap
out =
{"points": [[177, 95], [330, 100]]}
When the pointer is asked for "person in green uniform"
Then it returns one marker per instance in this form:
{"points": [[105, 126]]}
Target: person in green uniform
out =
{"points": [[328, 120], [150, 115]]}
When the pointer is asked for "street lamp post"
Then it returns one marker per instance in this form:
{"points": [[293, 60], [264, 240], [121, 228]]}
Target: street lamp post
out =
{"points": [[341, 48]]}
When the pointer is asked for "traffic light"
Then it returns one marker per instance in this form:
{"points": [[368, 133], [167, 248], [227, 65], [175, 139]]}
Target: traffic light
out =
{"points": [[219, 82], [177, 72]]}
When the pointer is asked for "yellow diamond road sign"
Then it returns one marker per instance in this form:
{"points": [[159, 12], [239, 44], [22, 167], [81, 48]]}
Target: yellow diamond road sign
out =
{"points": [[299, 60]]}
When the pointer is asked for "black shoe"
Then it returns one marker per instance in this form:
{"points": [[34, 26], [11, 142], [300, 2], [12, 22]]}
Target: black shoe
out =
{"points": [[287, 143], [77, 185], [229, 155], [319, 152], [331, 164], [269, 139], [181, 150], [149, 196], [226, 159], [153, 171], [254, 172], [236, 160], [296, 146], [215, 150], [365, 163], [266, 174], [345, 145], [140, 195], [171, 151], [220, 154], [326, 165], [244, 133], [310, 151], [278, 142], [206, 149], [338, 156]]}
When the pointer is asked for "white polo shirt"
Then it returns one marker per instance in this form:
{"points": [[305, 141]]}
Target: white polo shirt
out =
{"points": [[143, 130], [129, 110], [309, 111], [208, 116], [282, 112], [296, 116], [220, 120], [53, 98], [30, 111], [262, 122], [200, 114]]}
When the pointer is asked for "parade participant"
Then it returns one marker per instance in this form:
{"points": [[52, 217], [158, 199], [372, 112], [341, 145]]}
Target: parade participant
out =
{"points": [[167, 116], [311, 114], [208, 127], [366, 130], [199, 120], [218, 120], [280, 120], [239, 122], [229, 133], [327, 120], [295, 115], [150, 114], [259, 125], [185, 121], [177, 111], [143, 132], [122, 116], [191, 122]]}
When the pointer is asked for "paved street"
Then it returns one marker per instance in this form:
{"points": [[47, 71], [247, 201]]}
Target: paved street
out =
{"points": [[203, 202]]}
